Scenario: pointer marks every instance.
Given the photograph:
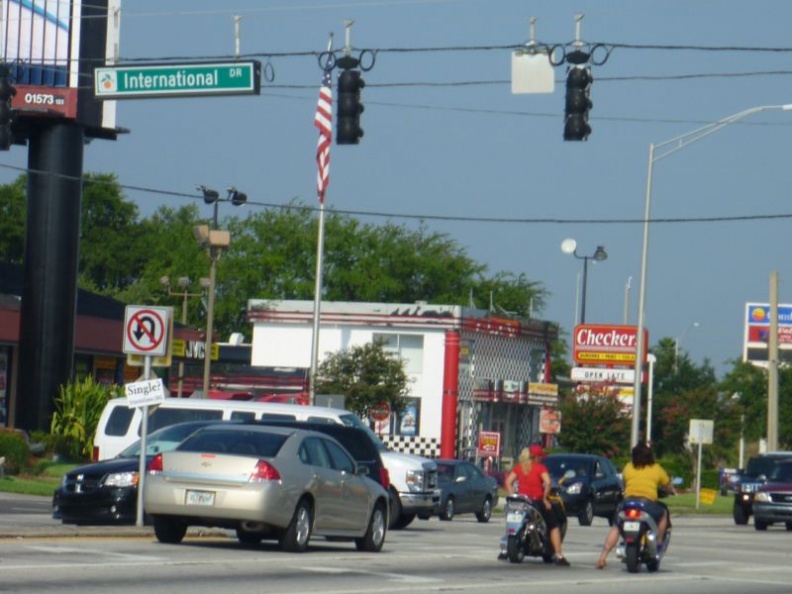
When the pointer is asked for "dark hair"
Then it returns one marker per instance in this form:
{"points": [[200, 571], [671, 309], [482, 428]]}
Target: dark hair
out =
{"points": [[642, 455]]}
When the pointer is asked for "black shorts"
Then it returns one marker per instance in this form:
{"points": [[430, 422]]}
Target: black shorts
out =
{"points": [[549, 516]]}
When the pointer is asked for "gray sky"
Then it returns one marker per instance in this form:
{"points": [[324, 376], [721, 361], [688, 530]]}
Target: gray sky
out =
{"points": [[477, 151]]}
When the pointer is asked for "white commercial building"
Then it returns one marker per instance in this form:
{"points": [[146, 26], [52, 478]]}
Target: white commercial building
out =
{"points": [[471, 373]]}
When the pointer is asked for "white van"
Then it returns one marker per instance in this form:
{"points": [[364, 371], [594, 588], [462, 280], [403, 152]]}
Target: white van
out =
{"points": [[119, 425], [413, 478]]}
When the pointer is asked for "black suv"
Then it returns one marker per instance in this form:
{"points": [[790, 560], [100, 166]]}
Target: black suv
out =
{"points": [[759, 468]]}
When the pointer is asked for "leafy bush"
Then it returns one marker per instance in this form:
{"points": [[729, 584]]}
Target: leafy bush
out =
{"points": [[77, 410], [14, 449]]}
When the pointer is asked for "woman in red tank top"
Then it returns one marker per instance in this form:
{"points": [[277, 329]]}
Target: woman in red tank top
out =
{"points": [[530, 477]]}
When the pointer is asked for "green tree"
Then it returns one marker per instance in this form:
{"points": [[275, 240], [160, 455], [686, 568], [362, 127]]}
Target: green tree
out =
{"points": [[747, 386], [13, 206], [366, 375], [110, 255], [595, 422], [682, 391]]}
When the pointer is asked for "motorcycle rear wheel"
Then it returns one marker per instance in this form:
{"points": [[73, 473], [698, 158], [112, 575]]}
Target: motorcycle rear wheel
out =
{"points": [[514, 549], [632, 558]]}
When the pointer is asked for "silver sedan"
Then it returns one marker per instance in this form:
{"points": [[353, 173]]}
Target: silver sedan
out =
{"points": [[265, 482]]}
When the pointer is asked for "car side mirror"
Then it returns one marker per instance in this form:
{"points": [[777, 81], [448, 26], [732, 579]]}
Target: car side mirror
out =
{"points": [[361, 470]]}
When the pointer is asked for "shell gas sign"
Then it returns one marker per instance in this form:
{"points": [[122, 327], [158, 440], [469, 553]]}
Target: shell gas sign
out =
{"points": [[606, 344]]}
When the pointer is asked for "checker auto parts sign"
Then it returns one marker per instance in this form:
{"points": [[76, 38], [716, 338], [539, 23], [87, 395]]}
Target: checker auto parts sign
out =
{"points": [[603, 344]]}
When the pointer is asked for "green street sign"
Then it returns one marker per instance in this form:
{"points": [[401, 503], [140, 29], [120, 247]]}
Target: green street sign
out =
{"points": [[178, 80]]}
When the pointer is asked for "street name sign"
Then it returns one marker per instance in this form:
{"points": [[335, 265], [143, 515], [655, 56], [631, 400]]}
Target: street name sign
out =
{"points": [[178, 80]]}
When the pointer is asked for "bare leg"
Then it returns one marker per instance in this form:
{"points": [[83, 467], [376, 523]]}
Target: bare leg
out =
{"points": [[661, 527], [610, 542], [555, 540]]}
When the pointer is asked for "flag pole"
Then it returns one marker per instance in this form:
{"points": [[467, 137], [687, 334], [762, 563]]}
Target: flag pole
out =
{"points": [[323, 121]]}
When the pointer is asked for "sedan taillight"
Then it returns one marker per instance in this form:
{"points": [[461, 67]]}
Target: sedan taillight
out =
{"points": [[155, 466], [385, 477], [264, 471]]}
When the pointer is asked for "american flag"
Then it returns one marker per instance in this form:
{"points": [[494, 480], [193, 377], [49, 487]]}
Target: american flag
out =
{"points": [[324, 121]]}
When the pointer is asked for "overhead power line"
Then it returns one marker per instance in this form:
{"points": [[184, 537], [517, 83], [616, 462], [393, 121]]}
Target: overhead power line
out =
{"points": [[450, 218]]}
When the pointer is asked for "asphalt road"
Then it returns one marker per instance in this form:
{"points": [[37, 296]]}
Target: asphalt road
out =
{"points": [[708, 555]]}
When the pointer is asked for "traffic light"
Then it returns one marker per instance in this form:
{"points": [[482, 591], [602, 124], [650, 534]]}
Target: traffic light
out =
{"points": [[348, 130], [578, 104], [7, 92]]}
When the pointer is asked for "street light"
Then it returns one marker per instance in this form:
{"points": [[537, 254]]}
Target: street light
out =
{"points": [[215, 241], [569, 246], [677, 341], [663, 150], [184, 284]]}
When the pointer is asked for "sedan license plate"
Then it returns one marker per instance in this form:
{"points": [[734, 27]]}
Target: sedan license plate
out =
{"points": [[632, 526], [200, 498]]}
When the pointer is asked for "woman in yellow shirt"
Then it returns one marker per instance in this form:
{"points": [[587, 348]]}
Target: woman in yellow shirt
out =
{"points": [[642, 479]]}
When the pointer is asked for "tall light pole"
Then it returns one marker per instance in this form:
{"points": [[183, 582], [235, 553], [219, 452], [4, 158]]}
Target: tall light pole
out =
{"points": [[184, 284], [215, 241], [657, 153], [569, 246], [678, 341], [627, 287], [649, 391]]}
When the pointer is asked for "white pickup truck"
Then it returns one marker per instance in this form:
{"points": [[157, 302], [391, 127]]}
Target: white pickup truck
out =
{"points": [[414, 487]]}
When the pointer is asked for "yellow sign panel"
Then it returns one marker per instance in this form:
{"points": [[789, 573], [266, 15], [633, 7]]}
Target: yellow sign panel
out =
{"points": [[606, 357], [707, 496]]}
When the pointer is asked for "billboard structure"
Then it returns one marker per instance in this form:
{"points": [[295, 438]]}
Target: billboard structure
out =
{"points": [[52, 47], [757, 333]]}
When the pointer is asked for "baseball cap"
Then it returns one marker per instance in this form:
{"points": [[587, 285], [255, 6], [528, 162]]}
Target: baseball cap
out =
{"points": [[537, 451]]}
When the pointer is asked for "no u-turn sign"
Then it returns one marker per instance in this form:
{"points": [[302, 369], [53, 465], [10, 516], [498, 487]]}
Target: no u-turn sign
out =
{"points": [[146, 330]]}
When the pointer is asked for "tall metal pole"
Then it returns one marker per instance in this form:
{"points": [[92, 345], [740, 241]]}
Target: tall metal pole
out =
{"points": [[181, 363], [772, 367], [210, 320], [213, 254], [627, 287], [668, 147], [317, 305], [649, 391], [635, 429], [585, 283]]}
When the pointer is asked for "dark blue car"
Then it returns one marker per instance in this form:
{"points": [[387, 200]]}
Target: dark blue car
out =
{"points": [[465, 489]]}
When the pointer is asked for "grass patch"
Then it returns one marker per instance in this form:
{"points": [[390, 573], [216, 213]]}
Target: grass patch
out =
{"points": [[29, 485], [41, 479], [685, 504]]}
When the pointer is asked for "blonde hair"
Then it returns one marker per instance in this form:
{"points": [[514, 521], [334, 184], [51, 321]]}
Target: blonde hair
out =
{"points": [[525, 456]]}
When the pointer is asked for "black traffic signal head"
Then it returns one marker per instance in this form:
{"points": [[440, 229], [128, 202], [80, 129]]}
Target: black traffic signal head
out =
{"points": [[7, 92], [348, 130], [578, 103]]}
